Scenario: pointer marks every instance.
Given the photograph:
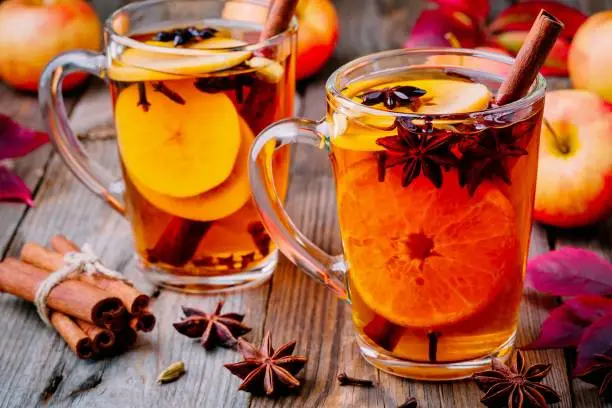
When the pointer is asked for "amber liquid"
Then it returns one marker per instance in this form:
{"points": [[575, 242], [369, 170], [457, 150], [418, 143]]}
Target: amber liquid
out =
{"points": [[177, 228], [435, 274]]}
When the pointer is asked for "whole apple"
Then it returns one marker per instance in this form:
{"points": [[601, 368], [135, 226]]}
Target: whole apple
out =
{"points": [[33, 32], [317, 35], [590, 56], [574, 185]]}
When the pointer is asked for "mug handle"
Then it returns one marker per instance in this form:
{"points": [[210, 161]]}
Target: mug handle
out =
{"points": [[66, 143], [327, 269]]}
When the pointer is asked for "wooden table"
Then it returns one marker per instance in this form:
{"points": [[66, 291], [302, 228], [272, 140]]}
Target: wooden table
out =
{"points": [[291, 305]]}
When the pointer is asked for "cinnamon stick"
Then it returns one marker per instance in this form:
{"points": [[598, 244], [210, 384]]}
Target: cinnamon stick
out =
{"points": [[530, 58], [279, 18], [73, 335], [144, 321], [179, 241], [71, 297], [102, 339], [35, 254]]}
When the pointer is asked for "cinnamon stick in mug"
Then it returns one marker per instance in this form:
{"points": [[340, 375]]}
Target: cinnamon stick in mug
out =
{"points": [[132, 298], [72, 297], [73, 335]]}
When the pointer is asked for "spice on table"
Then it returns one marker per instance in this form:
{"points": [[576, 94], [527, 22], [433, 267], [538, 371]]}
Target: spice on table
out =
{"points": [[518, 386], [79, 307], [265, 371], [409, 403], [172, 373], [344, 379], [599, 373], [214, 329]]}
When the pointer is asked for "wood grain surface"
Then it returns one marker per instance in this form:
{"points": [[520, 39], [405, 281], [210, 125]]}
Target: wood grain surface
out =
{"points": [[291, 305]]}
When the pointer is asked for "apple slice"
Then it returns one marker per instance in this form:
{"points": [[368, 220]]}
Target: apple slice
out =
{"points": [[217, 203], [180, 150], [443, 96], [267, 69], [137, 65]]}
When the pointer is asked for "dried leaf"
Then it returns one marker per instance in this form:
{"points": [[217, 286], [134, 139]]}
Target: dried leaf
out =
{"points": [[172, 373], [570, 272], [12, 188], [596, 339], [565, 324], [16, 140]]}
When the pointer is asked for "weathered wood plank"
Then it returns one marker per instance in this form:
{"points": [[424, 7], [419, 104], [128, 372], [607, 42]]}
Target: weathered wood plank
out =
{"points": [[23, 108]]}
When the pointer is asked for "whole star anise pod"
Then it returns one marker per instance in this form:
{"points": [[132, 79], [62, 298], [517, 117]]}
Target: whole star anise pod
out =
{"points": [[393, 97], [212, 328], [265, 371], [181, 36], [599, 373], [419, 149], [517, 386], [485, 156]]}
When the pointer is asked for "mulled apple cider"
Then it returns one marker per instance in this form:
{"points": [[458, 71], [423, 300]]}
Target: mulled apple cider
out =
{"points": [[188, 102], [434, 212]]}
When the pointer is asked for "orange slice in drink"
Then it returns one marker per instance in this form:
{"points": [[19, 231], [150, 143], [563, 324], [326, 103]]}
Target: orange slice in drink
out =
{"points": [[420, 256], [214, 204], [180, 150]]}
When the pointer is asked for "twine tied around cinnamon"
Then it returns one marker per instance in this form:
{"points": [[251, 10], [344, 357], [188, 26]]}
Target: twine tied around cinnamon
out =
{"points": [[84, 262]]}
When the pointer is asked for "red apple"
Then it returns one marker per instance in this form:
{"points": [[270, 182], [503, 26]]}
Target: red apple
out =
{"points": [[590, 56], [33, 32], [575, 171], [317, 36]]}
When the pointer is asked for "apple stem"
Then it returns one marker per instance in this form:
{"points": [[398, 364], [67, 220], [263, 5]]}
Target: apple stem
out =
{"points": [[563, 147]]}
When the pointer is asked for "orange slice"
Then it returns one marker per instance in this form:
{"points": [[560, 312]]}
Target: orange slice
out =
{"points": [[217, 203], [139, 65], [420, 256], [180, 150]]}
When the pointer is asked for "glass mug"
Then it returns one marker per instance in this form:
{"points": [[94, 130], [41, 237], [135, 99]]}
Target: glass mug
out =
{"points": [[435, 189], [185, 118]]}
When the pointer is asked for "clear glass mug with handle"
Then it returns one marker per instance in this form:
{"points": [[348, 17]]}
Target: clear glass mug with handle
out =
{"points": [[185, 116], [434, 188]]}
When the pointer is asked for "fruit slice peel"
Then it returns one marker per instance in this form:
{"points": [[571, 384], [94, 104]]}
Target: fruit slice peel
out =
{"points": [[474, 246], [178, 150]]}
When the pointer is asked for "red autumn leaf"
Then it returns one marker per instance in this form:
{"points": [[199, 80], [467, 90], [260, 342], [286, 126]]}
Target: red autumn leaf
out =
{"points": [[12, 188], [570, 272], [565, 324], [433, 25], [520, 17], [16, 140], [596, 339]]}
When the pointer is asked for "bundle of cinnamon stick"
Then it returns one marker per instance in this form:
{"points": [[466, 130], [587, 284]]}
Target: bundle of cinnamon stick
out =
{"points": [[96, 315]]}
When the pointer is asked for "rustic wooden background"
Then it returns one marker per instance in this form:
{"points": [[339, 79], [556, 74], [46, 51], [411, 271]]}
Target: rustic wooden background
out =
{"points": [[290, 305]]}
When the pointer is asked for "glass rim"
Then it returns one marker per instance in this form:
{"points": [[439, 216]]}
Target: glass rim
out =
{"points": [[129, 42], [535, 93]]}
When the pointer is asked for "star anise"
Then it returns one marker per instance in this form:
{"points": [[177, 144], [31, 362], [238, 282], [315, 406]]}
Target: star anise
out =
{"points": [[265, 371], [419, 149], [212, 328], [517, 386], [182, 36], [393, 97], [485, 156], [599, 373]]}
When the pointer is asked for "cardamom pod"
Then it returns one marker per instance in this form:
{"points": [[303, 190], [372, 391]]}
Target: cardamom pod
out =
{"points": [[172, 373]]}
